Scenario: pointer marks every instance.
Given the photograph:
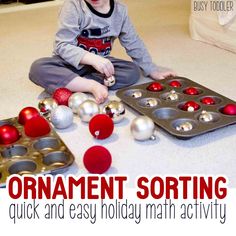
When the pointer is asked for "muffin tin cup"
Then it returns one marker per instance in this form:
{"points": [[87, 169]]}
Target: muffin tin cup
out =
{"points": [[43, 155], [168, 112]]}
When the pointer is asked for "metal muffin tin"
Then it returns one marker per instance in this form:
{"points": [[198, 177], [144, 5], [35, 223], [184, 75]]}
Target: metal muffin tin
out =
{"points": [[43, 155], [167, 113]]}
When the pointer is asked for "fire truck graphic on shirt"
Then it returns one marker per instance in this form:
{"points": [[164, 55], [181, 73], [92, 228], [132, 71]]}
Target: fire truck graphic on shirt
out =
{"points": [[90, 41]]}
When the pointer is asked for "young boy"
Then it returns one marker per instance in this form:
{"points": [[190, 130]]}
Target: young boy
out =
{"points": [[81, 61]]}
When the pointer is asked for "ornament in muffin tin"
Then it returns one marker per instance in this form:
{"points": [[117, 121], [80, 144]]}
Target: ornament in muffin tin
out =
{"points": [[206, 116], [185, 127], [172, 96], [136, 94]]}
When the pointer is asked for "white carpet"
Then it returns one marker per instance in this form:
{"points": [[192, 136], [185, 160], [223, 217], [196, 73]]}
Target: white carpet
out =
{"points": [[28, 35]]}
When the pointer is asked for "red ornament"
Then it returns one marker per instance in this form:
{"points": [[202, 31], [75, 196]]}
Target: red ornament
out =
{"points": [[191, 91], [62, 95], [97, 160], [8, 134], [190, 106], [36, 127], [208, 101], [175, 83], [155, 87], [230, 109], [26, 114], [101, 126]]}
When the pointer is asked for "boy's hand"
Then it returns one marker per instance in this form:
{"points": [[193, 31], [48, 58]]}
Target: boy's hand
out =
{"points": [[157, 75], [102, 65]]}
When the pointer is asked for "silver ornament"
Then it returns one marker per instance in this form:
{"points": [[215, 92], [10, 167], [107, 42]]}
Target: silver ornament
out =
{"points": [[110, 81], [186, 126], [115, 110], [87, 110], [75, 100], [136, 94], [46, 105], [143, 128], [172, 96], [206, 116], [151, 102], [62, 117]]}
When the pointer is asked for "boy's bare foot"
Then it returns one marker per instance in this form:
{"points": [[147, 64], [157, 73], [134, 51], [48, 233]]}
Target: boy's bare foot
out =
{"points": [[100, 92], [80, 84]]}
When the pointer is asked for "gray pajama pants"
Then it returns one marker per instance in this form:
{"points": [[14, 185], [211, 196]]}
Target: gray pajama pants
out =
{"points": [[54, 72]]}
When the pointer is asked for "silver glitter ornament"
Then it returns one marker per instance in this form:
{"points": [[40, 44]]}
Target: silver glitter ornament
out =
{"points": [[172, 96], [46, 105], [115, 110], [62, 117], [206, 116], [136, 94], [151, 102], [110, 81], [143, 128], [75, 100], [186, 126], [87, 110]]}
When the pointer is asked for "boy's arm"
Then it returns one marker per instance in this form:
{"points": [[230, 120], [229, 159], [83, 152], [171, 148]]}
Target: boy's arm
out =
{"points": [[66, 37], [135, 47]]}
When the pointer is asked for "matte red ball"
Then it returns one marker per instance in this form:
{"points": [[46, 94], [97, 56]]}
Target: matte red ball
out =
{"points": [[62, 95], [26, 114], [191, 91], [8, 134], [175, 83], [101, 126], [230, 109], [208, 101], [36, 127], [190, 105], [155, 87], [97, 160]]}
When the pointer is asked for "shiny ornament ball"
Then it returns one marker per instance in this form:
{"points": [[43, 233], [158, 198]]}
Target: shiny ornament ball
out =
{"points": [[97, 160], [151, 102], [62, 95], [229, 109], [36, 127], [46, 105], [62, 117], [115, 110], [208, 101], [173, 96], [155, 87], [185, 127], [191, 91], [26, 114], [87, 110], [110, 81], [206, 116], [75, 100], [142, 128], [190, 106], [101, 126], [8, 134], [136, 94], [175, 83]]}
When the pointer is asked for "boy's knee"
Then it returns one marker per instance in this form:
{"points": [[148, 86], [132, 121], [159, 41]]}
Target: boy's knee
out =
{"points": [[37, 69]]}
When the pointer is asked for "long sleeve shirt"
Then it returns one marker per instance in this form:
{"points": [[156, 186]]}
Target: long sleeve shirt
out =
{"points": [[82, 28]]}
